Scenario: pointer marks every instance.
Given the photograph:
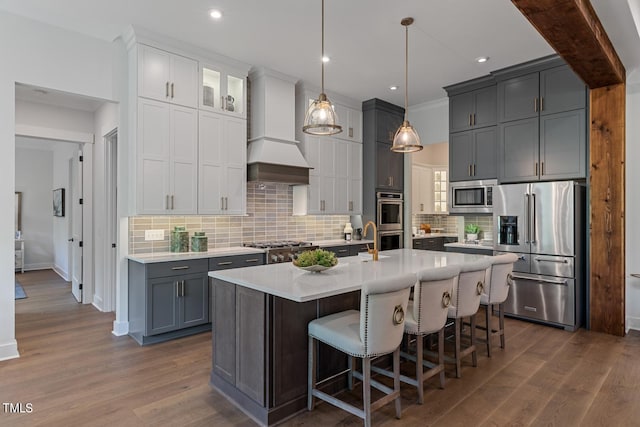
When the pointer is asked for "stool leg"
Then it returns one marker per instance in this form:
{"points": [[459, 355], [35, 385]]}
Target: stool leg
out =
{"points": [[488, 309], [441, 355], [351, 366], [474, 353], [458, 325], [419, 369], [311, 374], [366, 390], [396, 379], [501, 317]]}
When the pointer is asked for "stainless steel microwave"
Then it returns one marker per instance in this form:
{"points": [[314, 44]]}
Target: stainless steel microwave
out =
{"points": [[471, 196]]}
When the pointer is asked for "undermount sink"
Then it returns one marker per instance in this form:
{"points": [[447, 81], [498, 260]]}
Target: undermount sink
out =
{"points": [[368, 257]]}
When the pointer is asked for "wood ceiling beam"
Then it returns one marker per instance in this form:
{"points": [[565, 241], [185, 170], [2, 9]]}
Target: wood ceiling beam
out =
{"points": [[574, 30]]}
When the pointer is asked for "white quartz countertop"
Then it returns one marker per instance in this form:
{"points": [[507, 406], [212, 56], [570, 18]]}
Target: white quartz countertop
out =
{"points": [[482, 245], [340, 242], [432, 235], [181, 256], [287, 281]]}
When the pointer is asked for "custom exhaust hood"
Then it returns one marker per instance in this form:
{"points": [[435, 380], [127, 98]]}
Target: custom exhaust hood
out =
{"points": [[273, 154]]}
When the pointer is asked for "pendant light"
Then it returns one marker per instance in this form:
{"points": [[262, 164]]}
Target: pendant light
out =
{"points": [[406, 139], [321, 118]]}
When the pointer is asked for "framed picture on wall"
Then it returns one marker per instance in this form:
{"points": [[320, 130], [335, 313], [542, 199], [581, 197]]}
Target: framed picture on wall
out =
{"points": [[58, 202]]}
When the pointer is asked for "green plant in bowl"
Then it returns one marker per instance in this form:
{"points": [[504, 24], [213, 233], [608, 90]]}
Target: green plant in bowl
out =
{"points": [[316, 260], [471, 229]]}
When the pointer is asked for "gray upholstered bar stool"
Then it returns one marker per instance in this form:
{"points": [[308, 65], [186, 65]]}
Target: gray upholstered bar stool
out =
{"points": [[427, 314], [465, 302], [496, 291], [375, 330]]}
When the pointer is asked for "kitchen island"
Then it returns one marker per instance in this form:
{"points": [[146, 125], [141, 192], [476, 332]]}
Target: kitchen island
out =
{"points": [[260, 317]]}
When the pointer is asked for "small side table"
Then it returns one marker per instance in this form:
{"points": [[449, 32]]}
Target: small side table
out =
{"points": [[19, 255]]}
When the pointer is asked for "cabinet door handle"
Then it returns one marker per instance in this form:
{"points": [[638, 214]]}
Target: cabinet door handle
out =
{"points": [[541, 168], [350, 205], [474, 168], [225, 263], [392, 180], [221, 203], [473, 119], [421, 207], [535, 104], [177, 289], [350, 132], [182, 288], [536, 169], [172, 91], [469, 121], [183, 267], [252, 260], [166, 202], [172, 201], [226, 203], [541, 103], [469, 170], [166, 90]]}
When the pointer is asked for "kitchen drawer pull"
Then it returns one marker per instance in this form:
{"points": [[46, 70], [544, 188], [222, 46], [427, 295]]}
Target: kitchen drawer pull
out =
{"points": [[553, 282], [184, 267], [558, 261], [342, 251], [252, 260], [533, 309], [225, 263]]}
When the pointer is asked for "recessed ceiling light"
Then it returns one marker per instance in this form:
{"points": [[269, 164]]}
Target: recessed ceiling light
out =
{"points": [[393, 87], [326, 59], [482, 59], [215, 14]]}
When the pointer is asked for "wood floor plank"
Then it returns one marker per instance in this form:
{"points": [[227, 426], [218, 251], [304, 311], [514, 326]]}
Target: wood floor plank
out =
{"points": [[76, 373]]}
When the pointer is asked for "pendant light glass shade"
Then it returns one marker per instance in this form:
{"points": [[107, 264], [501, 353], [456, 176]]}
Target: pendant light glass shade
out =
{"points": [[406, 139], [321, 118]]}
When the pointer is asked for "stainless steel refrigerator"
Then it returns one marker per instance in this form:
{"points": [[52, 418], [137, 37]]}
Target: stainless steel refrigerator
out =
{"points": [[544, 224]]}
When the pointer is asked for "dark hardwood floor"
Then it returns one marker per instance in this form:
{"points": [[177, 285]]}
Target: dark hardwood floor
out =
{"points": [[74, 372]]}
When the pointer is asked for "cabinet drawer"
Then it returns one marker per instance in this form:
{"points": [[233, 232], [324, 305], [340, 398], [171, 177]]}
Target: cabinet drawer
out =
{"points": [[174, 268], [340, 251], [356, 249], [235, 261]]}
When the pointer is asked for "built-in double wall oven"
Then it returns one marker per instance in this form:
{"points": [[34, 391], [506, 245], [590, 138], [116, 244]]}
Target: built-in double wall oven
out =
{"points": [[389, 220]]}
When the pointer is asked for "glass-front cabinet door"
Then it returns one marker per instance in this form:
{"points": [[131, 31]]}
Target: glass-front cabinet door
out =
{"points": [[223, 91]]}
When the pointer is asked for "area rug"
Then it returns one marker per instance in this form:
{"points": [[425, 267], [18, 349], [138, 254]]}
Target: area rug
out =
{"points": [[20, 294]]}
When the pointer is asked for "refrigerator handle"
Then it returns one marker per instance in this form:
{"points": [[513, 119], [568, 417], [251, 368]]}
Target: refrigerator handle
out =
{"points": [[526, 218], [533, 219]]}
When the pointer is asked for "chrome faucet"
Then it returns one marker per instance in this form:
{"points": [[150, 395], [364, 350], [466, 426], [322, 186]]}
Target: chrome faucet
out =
{"points": [[374, 251]]}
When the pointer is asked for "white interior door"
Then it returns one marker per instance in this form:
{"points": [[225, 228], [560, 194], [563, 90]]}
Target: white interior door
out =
{"points": [[76, 227]]}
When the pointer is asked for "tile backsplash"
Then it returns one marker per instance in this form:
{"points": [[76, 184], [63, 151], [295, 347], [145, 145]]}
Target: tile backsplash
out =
{"points": [[269, 217]]}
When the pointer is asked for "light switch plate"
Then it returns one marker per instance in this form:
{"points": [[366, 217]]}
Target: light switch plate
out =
{"points": [[153, 234]]}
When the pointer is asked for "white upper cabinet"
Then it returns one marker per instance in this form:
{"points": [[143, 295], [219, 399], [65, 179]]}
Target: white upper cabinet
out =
{"points": [[223, 90], [167, 167], [351, 121], [222, 164], [167, 77], [429, 189]]}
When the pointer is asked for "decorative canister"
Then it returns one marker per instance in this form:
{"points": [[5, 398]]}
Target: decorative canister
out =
{"points": [[199, 242], [179, 239]]}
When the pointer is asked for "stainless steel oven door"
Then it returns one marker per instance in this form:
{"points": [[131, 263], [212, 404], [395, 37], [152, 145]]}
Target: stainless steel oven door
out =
{"points": [[389, 214], [388, 240]]}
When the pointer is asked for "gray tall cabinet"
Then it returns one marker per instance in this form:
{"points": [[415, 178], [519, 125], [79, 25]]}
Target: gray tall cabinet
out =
{"points": [[472, 130], [542, 122]]}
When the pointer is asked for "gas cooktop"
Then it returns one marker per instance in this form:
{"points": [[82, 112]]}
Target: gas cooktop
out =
{"points": [[277, 244]]}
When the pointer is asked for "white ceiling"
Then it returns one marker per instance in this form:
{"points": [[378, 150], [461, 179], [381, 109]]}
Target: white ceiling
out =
{"points": [[364, 38]]}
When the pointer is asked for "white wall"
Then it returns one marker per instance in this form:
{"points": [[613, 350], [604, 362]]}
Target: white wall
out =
{"points": [[55, 117], [49, 57], [34, 169], [632, 200], [431, 120]]}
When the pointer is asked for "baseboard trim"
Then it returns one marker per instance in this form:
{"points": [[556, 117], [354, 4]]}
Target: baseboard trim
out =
{"points": [[60, 272], [633, 323], [97, 303], [9, 350], [40, 266], [120, 328]]}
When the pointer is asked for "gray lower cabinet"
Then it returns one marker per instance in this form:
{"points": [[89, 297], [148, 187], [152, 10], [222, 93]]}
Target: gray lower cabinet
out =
{"points": [[168, 300], [347, 250], [433, 243], [260, 349]]}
